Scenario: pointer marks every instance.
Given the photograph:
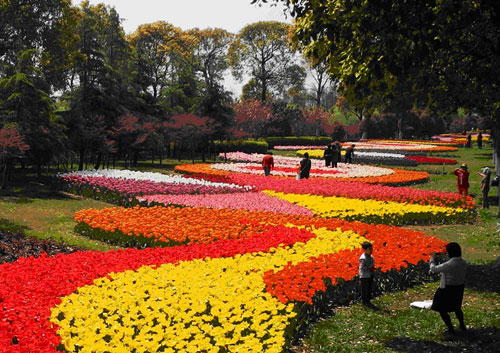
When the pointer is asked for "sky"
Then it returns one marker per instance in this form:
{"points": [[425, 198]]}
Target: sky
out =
{"points": [[231, 15]]}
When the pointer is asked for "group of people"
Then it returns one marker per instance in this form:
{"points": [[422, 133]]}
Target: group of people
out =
{"points": [[462, 174], [333, 154], [468, 143], [448, 297]]}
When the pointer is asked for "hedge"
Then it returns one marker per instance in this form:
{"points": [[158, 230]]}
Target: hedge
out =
{"points": [[247, 146], [298, 141]]}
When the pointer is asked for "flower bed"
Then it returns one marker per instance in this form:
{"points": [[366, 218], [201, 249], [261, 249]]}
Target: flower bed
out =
{"points": [[384, 158], [227, 295], [403, 145], [397, 177], [371, 211], [253, 201]]}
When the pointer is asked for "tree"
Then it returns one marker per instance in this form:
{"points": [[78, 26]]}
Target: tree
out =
{"points": [[153, 44], [261, 50], [26, 104], [44, 25], [252, 116], [317, 122], [189, 129], [11, 146], [443, 53]]}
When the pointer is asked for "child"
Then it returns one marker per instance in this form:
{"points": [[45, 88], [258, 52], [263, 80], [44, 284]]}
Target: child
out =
{"points": [[366, 273]]}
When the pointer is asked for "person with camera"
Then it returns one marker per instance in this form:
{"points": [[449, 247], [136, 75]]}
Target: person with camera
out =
{"points": [[485, 174]]}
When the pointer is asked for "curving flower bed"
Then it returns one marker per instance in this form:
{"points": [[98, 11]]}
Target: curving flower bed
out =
{"points": [[403, 145], [252, 201], [396, 177], [385, 158], [226, 295]]}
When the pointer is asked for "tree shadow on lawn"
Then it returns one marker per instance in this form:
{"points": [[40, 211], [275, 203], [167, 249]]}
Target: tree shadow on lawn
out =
{"points": [[484, 278], [475, 340], [24, 191], [485, 156]]}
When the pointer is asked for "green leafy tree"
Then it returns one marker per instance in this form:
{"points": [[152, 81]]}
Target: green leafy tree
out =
{"points": [[261, 50], [26, 105]]}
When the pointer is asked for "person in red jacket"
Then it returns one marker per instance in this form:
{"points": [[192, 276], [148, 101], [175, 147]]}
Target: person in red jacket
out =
{"points": [[268, 163], [462, 179]]}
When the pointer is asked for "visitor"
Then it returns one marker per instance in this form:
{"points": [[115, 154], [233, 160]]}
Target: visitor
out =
{"points": [[305, 166], [366, 273], [480, 140], [469, 141], [338, 148], [462, 179], [449, 295], [485, 174], [349, 153], [335, 155], [268, 163], [328, 155]]}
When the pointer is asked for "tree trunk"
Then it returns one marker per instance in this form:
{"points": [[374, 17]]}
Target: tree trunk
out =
{"points": [[98, 161], [82, 157], [4, 174]]}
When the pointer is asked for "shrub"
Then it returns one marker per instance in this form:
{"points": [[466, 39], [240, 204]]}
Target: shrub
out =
{"points": [[298, 141], [247, 146]]}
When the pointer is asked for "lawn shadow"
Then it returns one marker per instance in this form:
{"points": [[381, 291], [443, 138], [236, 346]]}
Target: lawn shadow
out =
{"points": [[485, 156], [27, 189], [484, 278], [11, 227], [475, 340]]}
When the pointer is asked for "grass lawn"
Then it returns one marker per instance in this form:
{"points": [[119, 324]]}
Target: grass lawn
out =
{"points": [[31, 206]]}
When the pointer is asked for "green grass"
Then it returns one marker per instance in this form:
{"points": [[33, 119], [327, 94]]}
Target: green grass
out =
{"points": [[358, 329], [41, 213]]}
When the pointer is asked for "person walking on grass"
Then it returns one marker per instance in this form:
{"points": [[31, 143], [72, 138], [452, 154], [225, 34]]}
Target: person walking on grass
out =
{"points": [[462, 179], [366, 273], [268, 163], [480, 140], [450, 294], [336, 148], [485, 174]]}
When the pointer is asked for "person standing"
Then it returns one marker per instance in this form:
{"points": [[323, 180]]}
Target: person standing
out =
{"points": [[480, 140], [450, 294], [335, 155], [485, 174], [268, 163], [328, 155], [349, 153], [462, 179], [366, 273], [305, 166], [469, 141], [338, 149]]}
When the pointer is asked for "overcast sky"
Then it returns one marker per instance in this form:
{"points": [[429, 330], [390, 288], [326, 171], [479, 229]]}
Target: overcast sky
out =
{"points": [[231, 15]]}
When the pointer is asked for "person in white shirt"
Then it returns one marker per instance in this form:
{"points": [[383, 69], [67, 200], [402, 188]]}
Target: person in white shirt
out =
{"points": [[450, 294], [366, 273]]}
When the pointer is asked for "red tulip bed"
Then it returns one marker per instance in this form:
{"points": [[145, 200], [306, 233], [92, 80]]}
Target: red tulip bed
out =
{"points": [[223, 279]]}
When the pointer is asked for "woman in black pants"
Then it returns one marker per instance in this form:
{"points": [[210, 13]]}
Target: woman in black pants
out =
{"points": [[450, 293]]}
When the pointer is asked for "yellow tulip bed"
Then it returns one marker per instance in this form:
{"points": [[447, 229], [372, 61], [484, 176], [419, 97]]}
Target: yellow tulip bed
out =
{"points": [[373, 211]]}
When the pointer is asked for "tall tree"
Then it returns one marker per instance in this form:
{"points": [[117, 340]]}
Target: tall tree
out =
{"points": [[261, 50], [26, 105]]}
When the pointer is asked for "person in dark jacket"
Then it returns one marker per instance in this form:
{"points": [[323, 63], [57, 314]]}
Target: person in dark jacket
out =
{"points": [[349, 153], [328, 155], [480, 140], [305, 166]]}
